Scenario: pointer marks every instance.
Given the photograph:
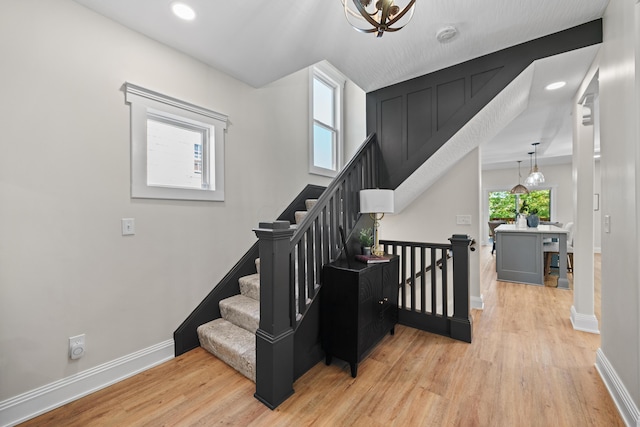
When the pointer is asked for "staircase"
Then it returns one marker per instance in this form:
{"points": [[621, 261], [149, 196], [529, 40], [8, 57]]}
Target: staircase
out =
{"points": [[264, 319], [232, 338]]}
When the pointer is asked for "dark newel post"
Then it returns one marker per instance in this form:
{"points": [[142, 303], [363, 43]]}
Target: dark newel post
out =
{"points": [[461, 323], [274, 337]]}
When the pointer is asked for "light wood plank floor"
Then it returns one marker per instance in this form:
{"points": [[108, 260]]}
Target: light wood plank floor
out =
{"points": [[525, 367]]}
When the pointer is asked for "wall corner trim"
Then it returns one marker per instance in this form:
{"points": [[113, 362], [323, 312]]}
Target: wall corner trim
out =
{"points": [[584, 322], [477, 303], [620, 395], [50, 396]]}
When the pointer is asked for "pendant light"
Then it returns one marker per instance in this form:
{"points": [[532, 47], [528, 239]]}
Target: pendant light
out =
{"points": [[529, 182], [519, 189], [536, 177]]}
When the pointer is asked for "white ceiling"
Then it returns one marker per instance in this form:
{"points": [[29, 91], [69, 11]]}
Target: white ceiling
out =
{"points": [[547, 118], [259, 42]]}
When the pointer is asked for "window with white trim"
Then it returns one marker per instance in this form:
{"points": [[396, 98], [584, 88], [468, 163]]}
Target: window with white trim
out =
{"points": [[326, 145], [177, 148]]}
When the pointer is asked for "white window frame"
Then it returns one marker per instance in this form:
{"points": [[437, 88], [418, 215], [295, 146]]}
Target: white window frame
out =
{"points": [[334, 79], [146, 103]]}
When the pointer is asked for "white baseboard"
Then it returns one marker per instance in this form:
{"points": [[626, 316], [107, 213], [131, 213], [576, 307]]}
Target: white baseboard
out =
{"points": [[584, 322], [477, 303], [43, 399], [621, 397]]}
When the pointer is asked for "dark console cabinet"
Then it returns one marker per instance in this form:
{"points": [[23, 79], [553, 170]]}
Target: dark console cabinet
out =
{"points": [[359, 305]]}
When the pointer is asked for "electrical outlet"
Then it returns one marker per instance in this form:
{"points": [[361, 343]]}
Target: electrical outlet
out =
{"points": [[77, 347], [128, 226], [463, 219]]}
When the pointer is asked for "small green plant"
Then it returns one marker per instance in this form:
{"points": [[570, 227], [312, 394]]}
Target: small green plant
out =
{"points": [[533, 211], [524, 208], [366, 237]]}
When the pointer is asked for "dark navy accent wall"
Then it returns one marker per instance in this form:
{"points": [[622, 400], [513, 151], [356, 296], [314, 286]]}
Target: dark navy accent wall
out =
{"points": [[413, 119]]}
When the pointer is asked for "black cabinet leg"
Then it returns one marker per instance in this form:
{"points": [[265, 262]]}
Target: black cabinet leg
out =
{"points": [[354, 370], [327, 359], [393, 331]]}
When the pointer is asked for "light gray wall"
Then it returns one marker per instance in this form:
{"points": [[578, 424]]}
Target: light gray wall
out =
{"points": [[354, 120], [65, 269], [619, 143], [431, 217]]}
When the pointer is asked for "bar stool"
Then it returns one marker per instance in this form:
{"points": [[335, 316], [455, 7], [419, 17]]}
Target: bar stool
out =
{"points": [[553, 248], [492, 232]]}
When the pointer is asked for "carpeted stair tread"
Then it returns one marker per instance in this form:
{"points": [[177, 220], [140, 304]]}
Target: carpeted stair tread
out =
{"points": [[310, 203], [299, 216], [231, 344], [241, 311], [258, 265], [250, 286]]}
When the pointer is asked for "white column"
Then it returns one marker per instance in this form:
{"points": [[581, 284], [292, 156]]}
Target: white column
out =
{"points": [[582, 312]]}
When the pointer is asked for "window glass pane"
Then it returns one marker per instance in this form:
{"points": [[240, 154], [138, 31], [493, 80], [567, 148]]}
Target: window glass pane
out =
{"points": [[539, 200], [174, 156], [502, 204], [323, 147], [323, 102]]}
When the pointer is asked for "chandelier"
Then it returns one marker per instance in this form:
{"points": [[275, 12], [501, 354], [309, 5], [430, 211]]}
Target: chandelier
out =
{"points": [[378, 16]]}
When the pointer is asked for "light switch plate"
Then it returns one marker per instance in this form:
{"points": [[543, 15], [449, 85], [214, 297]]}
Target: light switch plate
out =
{"points": [[128, 226]]}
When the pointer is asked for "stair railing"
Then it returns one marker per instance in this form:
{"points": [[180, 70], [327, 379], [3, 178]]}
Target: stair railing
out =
{"points": [[186, 337], [434, 285], [317, 240], [291, 263]]}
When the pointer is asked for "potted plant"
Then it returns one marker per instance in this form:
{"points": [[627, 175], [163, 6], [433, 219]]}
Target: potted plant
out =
{"points": [[366, 240], [533, 220]]}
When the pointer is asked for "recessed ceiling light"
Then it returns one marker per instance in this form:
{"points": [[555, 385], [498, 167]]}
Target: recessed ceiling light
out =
{"points": [[556, 85], [183, 11]]}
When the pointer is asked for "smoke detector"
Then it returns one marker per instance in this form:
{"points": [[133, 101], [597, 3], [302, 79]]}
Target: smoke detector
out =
{"points": [[446, 33]]}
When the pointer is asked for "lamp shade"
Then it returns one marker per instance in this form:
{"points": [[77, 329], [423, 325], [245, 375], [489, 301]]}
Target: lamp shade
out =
{"points": [[535, 177], [519, 189], [376, 201]]}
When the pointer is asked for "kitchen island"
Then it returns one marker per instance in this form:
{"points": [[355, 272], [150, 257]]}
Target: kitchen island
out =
{"points": [[520, 253]]}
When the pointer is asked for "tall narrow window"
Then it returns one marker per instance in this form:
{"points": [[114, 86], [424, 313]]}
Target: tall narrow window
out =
{"points": [[326, 106], [177, 148]]}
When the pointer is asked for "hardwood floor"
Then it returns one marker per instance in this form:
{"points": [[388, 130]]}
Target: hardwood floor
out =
{"points": [[525, 367]]}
